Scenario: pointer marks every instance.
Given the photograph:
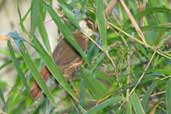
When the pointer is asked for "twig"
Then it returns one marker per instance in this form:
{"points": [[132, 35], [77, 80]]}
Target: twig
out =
{"points": [[134, 23], [106, 53], [109, 7], [139, 41], [130, 36], [142, 75], [158, 93]]}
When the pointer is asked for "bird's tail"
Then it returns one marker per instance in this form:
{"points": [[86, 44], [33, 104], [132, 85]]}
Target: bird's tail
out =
{"points": [[35, 89]]}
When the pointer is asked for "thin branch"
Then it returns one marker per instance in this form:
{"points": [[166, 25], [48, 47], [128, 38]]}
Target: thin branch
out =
{"points": [[142, 75], [139, 41], [158, 93], [105, 52], [110, 7], [130, 36], [133, 21]]}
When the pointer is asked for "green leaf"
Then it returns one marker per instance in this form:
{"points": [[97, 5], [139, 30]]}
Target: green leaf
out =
{"points": [[101, 22], [100, 58], [31, 65], [56, 72], [5, 64], [82, 92], [147, 95], [69, 14], [101, 106], [22, 19], [136, 104], [66, 32], [41, 26], [129, 108], [152, 10], [35, 13], [38, 12], [44, 35], [168, 97], [95, 86], [17, 65], [2, 96]]}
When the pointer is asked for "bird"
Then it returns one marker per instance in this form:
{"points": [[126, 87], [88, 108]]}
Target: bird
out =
{"points": [[65, 56]]}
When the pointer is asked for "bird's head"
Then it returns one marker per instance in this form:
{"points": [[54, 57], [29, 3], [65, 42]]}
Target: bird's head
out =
{"points": [[87, 27]]}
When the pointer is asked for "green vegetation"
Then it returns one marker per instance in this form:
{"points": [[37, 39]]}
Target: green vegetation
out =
{"points": [[127, 66]]}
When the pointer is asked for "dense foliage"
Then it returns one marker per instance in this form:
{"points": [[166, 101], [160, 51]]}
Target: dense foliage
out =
{"points": [[126, 69]]}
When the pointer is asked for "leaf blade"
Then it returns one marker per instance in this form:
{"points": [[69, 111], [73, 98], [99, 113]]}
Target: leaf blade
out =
{"points": [[66, 32], [101, 22], [136, 104], [31, 65]]}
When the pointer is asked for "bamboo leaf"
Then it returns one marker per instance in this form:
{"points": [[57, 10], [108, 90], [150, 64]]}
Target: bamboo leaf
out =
{"points": [[44, 35], [66, 32], [2, 96], [101, 106], [101, 22], [17, 65], [168, 96], [95, 86], [56, 72], [147, 96], [35, 11], [36, 75], [41, 26], [136, 104], [69, 14]]}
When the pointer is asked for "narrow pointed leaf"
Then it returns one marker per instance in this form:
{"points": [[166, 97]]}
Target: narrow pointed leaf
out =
{"points": [[36, 75], [68, 12], [168, 97], [35, 11], [101, 22], [66, 31], [108, 102], [17, 65], [136, 104], [56, 72]]}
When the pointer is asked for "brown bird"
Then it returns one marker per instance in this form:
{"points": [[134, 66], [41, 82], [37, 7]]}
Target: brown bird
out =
{"points": [[65, 57]]}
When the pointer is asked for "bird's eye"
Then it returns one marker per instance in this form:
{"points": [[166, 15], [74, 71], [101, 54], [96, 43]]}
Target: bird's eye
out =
{"points": [[90, 24]]}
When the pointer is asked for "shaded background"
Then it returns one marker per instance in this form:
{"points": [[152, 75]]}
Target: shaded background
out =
{"points": [[9, 21]]}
